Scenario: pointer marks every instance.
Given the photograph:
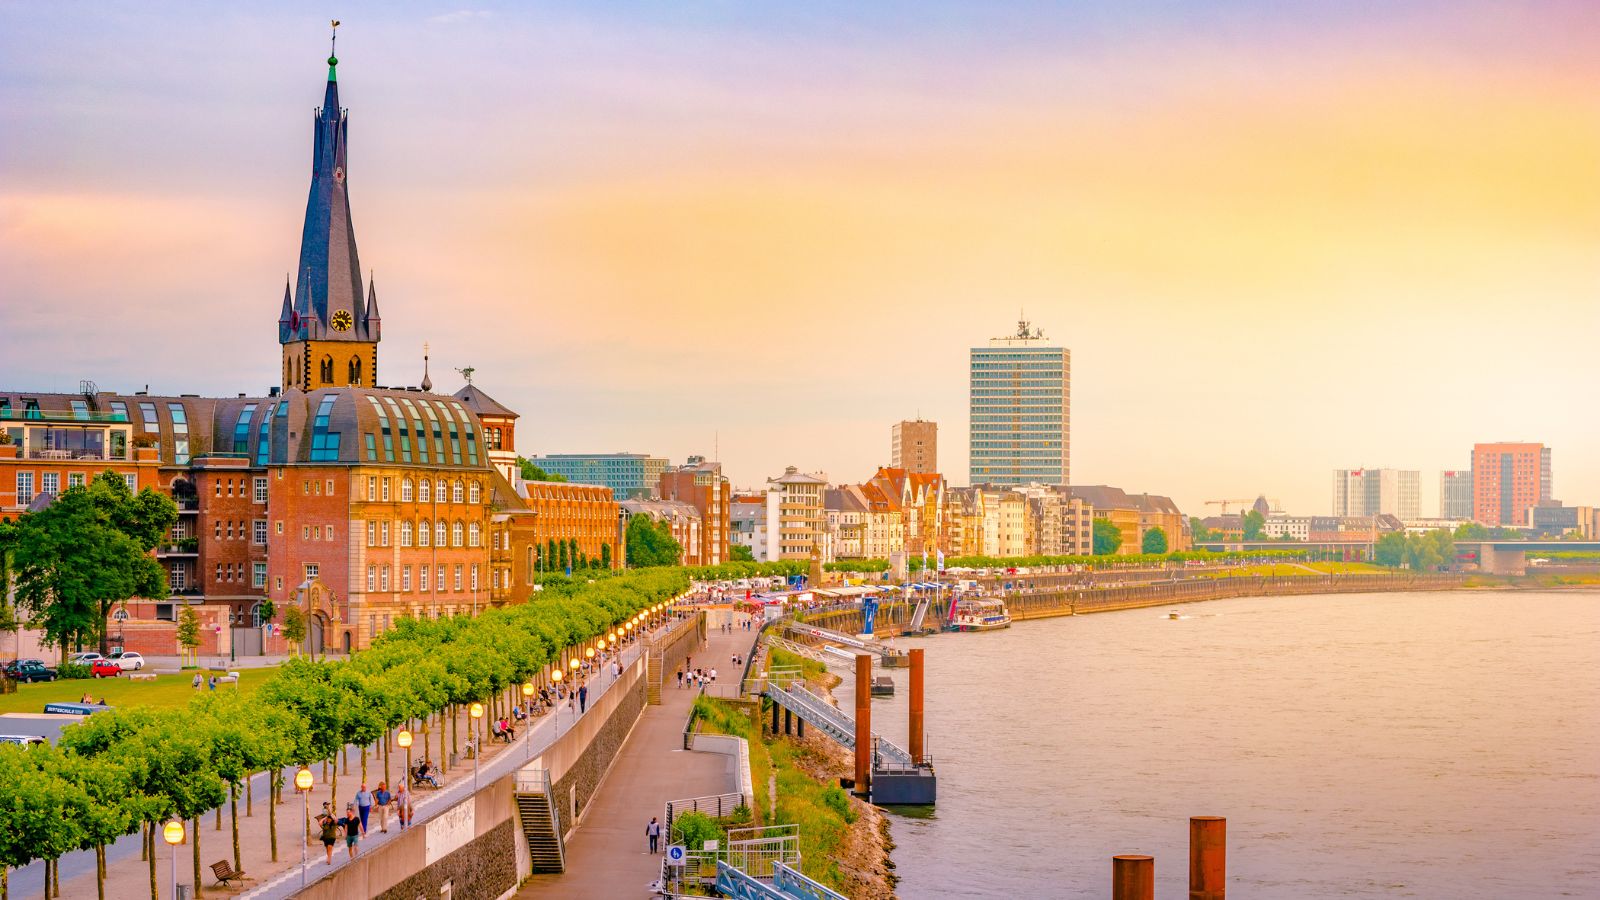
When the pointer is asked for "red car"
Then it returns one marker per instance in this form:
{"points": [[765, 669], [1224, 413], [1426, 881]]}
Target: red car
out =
{"points": [[105, 668]]}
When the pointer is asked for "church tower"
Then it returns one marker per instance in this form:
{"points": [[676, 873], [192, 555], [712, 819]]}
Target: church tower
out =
{"points": [[328, 329]]}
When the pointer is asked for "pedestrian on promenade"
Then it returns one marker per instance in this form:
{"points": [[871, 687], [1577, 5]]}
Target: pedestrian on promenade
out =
{"points": [[583, 698], [653, 832], [328, 830], [402, 806], [213, 682], [382, 797], [713, 675], [680, 678], [198, 681], [352, 829], [364, 804]]}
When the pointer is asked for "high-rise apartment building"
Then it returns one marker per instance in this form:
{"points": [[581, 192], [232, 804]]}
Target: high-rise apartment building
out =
{"points": [[1372, 492], [1508, 479], [915, 446], [1020, 426], [1455, 495]]}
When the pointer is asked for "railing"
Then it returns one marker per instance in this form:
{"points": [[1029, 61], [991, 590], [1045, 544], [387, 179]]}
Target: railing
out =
{"points": [[754, 851], [790, 882], [533, 781], [715, 806]]}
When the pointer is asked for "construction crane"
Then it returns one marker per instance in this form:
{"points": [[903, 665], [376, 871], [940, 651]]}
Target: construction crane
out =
{"points": [[1246, 502]]}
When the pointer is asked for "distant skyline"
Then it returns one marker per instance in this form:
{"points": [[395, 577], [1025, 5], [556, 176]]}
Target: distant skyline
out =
{"points": [[1278, 238]]}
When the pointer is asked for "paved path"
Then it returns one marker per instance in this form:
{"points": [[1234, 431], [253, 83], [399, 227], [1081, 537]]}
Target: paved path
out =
{"points": [[608, 856], [128, 877]]}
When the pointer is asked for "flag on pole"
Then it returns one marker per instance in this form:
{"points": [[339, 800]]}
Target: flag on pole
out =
{"points": [[941, 560]]}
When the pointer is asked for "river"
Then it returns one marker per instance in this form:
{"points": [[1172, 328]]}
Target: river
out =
{"points": [[1438, 745]]}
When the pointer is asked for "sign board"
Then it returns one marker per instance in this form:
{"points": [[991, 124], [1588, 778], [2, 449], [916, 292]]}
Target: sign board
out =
{"points": [[451, 831], [676, 854], [712, 845]]}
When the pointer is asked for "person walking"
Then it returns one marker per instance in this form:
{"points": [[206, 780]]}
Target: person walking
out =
{"points": [[713, 674], [364, 804], [328, 831], [680, 678], [352, 829], [653, 832], [198, 680], [583, 698], [402, 806], [383, 799]]}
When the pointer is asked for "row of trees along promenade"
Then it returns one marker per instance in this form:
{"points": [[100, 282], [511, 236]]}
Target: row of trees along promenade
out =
{"points": [[130, 769]]}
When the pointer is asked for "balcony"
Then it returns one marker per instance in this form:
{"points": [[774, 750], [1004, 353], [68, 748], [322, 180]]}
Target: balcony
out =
{"points": [[180, 548]]}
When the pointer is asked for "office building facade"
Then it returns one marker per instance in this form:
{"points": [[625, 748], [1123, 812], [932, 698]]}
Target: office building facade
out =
{"points": [[1455, 495], [631, 476], [1508, 479], [914, 446], [1371, 492], [1020, 402]]}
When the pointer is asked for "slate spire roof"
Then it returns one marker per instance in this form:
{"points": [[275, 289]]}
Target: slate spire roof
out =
{"points": [[328, 279]]}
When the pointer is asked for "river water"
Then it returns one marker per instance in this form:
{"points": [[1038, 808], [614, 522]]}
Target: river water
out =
{"points": [[1439, 745]]}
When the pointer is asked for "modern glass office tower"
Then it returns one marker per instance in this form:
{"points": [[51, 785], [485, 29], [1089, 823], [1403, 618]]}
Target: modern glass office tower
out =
{"points": [[1020, 427]]}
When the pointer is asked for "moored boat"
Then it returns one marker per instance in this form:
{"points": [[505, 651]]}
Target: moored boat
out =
{"points": [[979, 614]]}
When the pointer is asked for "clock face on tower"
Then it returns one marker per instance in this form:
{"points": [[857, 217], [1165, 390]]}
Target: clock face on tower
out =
{"points": [[342, 320]]}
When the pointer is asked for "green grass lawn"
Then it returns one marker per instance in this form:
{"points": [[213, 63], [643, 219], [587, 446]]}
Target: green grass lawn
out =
{"points": [[1296, 569], [165, 691]]}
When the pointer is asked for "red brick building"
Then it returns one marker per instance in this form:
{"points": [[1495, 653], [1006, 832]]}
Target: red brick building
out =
{"points": [[1507, 480], [702, 485]]}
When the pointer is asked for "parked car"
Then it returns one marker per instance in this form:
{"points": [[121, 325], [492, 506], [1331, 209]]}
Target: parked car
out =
{"points": [[105, 668], [86, 658], [128, 660], [24, 740], [31, 670]]}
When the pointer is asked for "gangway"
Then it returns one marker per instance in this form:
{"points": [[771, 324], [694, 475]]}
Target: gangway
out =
{"points": [[835, 656], [888, 654], [787, 884], [833, 722]]}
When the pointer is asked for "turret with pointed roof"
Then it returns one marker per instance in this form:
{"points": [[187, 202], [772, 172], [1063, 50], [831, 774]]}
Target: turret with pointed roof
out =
{"points": [[330, 330]]}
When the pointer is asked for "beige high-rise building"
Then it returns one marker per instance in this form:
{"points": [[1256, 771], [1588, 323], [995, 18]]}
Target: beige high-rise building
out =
{"points": [[915, 446]]}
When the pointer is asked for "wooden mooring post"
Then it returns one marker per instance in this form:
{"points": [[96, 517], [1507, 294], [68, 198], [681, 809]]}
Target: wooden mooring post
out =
{"points": [[1208, 857], [1133, 877]]}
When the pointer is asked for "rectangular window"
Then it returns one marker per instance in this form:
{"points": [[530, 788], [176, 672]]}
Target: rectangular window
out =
{"points": [[474, 576], [372, 487], [383, 579], [180, 433], [383, 534], [261, 490], [327, 532], [440, 580], [132, 481], [422, 578], [474, 492], [386, 490], [24, 488], [458, 576], [424, 492], [305, 532], [258, 575], [280, 526], [330, 487], [50, 483], [258, 531], [372, 534], [372, 578], [405, 578], [74, 479]]}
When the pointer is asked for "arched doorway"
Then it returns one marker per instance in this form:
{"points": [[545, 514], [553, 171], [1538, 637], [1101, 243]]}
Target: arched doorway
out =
{"points": [[347, 642], [314, 631]]}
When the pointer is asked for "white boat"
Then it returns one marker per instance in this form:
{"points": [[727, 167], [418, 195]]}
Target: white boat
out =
{"points": [[979, 614]]}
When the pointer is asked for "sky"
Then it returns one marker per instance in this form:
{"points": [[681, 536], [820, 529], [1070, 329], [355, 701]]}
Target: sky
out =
{"points": [[1279, 238]]}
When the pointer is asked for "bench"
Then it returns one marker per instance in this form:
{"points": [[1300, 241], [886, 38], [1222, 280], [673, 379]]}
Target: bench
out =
{"points": [[225, 872], [141, 676], [230, 678]]}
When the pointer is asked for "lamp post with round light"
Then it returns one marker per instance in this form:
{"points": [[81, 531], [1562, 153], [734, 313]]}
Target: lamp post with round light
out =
{"points": [[555, 678], [404, 740], [303, 780], [476, 711], [172, 833], [527, 698]]}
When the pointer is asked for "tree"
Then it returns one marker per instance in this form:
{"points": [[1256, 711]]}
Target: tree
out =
{"points": [[650, 543], [740, 553], [605, 556], [1471, 531], [268, 610], [531, 472], [1254, 523], [294, 627], [1154, 541], [1199, 532], [562, 560], [87, 551], [189, 629], [1390, 550], [1107, 537]]}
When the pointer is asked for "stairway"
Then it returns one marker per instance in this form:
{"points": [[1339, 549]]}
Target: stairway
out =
{"points": [[652, 676], [542, 829]]}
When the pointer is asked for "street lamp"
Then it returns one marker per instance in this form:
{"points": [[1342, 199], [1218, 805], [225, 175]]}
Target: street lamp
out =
{"points": [[404, 740], [476, 711], [555, 677], [527, 696], [303, 779], [172, 833]]}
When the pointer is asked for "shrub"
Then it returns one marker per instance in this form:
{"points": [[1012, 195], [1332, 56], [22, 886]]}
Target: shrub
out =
{"points": [[835, 799], [67, 671], [693, 829]]}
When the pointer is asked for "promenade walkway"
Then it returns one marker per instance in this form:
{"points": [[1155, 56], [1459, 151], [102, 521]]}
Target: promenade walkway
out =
{"points": [[608, 856], [128, 877]]}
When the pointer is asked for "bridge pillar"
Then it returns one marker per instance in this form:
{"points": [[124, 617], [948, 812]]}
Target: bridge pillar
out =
{"points": [[788, 722], [1502, 562], [863, 722], [774, 718], [916, 706], [799, 727]]}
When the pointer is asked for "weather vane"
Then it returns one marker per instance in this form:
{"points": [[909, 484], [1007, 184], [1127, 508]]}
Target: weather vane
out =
{"points": [[467, 373]]}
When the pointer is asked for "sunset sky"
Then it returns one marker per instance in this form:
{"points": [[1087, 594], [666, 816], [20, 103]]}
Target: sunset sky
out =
{"points": [[1278, 237]]}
